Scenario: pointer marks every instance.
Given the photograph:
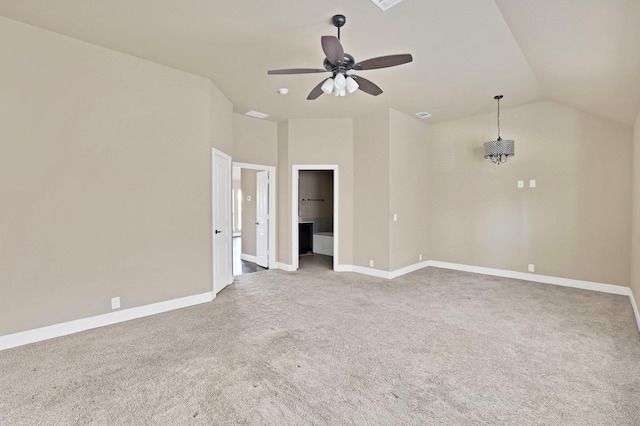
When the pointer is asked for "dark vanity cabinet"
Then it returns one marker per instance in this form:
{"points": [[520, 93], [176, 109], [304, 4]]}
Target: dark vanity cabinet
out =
{"points": [[305, 237]]}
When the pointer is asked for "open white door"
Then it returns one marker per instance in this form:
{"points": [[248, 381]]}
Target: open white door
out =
{"points": [[262, 219], [222, 231]]}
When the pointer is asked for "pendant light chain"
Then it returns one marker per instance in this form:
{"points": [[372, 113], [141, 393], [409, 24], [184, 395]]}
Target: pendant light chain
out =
{"points": [[499, 117]]}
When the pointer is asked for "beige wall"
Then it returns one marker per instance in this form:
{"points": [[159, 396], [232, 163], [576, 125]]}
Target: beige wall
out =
{"points": [[104, 179], [574, 224], [635, 225], [307, 141], [371, 190], [255, 141], [283, 173], [316, 185], [249, 211], [236, 187], [220, 120], [408, 176]]}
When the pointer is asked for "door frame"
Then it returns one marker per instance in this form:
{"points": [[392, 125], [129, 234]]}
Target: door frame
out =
{"points": [[295, 176], [273, 264], [229, 279]]}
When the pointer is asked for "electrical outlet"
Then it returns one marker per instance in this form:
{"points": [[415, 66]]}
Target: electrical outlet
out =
{"points": [[532, 267], [371, 264], [532, 183], [115, 303], [420, 258]]}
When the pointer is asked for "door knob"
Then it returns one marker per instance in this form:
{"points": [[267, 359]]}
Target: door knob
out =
{"points": [[218, 232]]}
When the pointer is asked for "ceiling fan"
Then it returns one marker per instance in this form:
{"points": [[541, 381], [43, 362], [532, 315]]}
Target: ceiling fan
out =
{"points": [[339, 64]]}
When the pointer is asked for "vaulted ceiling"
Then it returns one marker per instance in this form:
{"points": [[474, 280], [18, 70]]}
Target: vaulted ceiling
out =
{"points": [[581, 53]]}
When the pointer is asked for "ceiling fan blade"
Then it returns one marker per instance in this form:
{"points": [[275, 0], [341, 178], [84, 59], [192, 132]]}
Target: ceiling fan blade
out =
{"points": [[317, 91], [367, 86], [296, 71], [383, 62], [333, 49]]}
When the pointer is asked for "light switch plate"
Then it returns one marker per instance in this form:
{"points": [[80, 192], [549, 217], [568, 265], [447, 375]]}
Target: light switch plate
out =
{"points": [[532, 183], [520, 184]]}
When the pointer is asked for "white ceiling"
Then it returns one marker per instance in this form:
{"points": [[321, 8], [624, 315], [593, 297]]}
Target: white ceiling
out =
{"points": [[581, 53]]}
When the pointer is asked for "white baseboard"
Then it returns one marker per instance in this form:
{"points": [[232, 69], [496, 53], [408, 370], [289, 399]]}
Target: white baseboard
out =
{"points": [[248, 258], [371, 272], [343, 268], [408, 269], [379, 273], [545, 279], [70, 327], [635, 308], [286, 267]]}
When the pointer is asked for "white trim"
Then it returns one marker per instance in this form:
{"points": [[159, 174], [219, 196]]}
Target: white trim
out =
{"points": [[635, 308], [286, 267], [248, 258], [343, 268], [371, 272], [76, 326], [230, 278], [273, 207], [237, 234], [408, 269], [295, 175], [383, 274], [545, 279]]}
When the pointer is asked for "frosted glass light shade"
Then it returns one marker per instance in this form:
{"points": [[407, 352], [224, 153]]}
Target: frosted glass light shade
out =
{"points": [[327, 87], [340, 81], [352, 85]]}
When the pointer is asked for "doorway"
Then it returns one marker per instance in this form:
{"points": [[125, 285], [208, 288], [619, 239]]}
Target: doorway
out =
{"points": [[254, 219], [315, 216]]}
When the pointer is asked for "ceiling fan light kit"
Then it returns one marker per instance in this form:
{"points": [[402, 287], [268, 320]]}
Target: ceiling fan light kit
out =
{"points": [[499, 150], [339, 64]]}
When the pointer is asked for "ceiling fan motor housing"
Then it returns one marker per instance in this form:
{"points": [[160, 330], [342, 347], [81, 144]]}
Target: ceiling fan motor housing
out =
{"points": [[346, 65]]}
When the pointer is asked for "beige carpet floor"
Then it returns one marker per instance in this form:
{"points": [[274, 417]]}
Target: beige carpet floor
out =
{"points": [[317, 347]]}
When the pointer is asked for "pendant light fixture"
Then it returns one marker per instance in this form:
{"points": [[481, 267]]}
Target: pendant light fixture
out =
{"points": [[500, 150]]}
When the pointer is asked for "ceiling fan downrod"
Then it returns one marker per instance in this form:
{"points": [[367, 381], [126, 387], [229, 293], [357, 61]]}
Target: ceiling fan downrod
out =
{"points": [[338, 21]]}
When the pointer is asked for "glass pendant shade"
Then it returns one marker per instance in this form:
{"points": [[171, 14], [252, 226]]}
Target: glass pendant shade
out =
{"points": [[340, 81], [327, 87], [352, 85]]}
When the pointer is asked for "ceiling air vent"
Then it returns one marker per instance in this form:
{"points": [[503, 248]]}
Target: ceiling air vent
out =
{"points": [[423, 114], [256, 114], [386, 4]]}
